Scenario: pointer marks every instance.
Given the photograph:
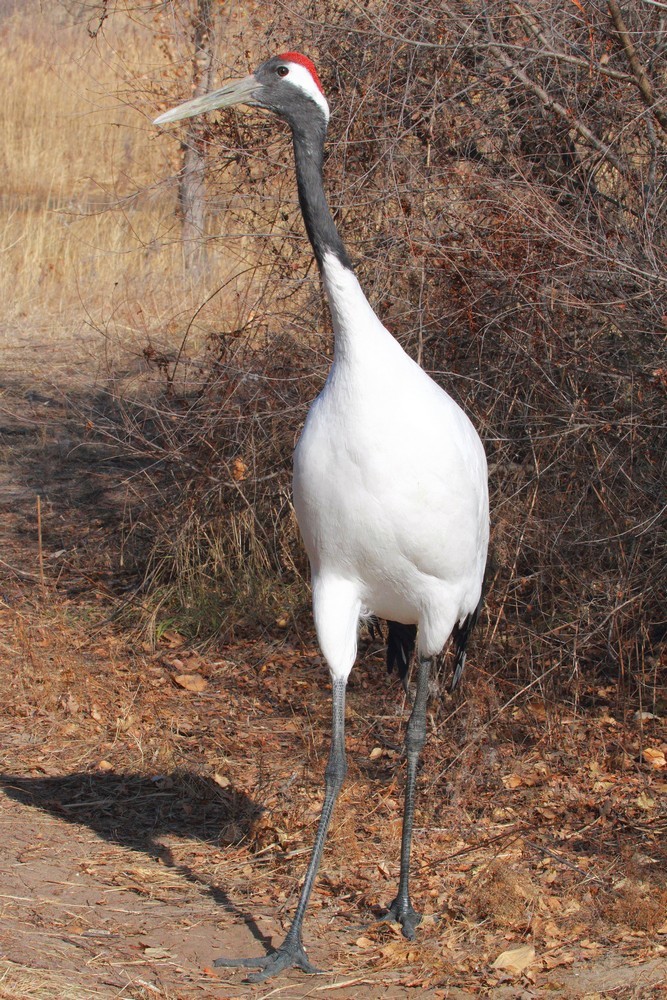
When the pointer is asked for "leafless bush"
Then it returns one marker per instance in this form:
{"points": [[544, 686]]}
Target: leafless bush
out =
{"points": [[499, 174], [216, 440]]}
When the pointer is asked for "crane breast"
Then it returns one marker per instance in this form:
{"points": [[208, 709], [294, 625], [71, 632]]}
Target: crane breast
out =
{"points": [[390, 490]]}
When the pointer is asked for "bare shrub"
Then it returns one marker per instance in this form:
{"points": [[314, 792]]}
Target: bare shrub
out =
{"points": [[499, 176]]}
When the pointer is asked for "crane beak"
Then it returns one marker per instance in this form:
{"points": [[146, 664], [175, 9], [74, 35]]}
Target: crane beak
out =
{"points": [[236, 92]]}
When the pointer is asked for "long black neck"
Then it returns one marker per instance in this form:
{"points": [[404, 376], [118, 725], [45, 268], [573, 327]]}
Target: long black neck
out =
{"points": [[320, 226]]}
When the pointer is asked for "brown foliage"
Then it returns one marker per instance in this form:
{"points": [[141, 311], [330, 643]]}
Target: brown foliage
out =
{"points": [[499, 178]]}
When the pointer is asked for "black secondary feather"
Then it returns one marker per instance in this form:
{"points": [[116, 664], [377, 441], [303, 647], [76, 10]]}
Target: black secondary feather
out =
{"points": [[401, 640], [460, 635]]}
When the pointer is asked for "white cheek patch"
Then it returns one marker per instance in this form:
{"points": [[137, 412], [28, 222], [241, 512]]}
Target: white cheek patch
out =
{"points": [[301, 78]]}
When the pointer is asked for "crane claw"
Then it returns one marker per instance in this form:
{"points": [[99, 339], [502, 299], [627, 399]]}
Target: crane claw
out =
{"points": [[290, 955], [405, 915]]}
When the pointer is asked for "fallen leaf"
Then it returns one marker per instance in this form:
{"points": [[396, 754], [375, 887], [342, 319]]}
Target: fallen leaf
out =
{"points": [[553, 961], [191, 682], [589, 945], [645, 802], [239, 470], [221, 780], [171, 638], [363, 942], [105, 765], [655, 758], [608, 720], [537, 709], [375, 753], [123, 725], [512, 781], [392, 948], [515, 960], [547, 812], [70, 704], [151, 952]]}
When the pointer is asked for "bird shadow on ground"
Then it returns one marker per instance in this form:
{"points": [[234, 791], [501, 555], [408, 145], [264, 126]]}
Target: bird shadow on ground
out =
{"points": [[134, 811]]}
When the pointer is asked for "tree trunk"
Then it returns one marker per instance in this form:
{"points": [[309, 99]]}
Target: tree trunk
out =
{"points": [[192, 189]]}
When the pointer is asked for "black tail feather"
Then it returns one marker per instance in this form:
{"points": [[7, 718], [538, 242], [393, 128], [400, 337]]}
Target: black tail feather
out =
{"points": [[460, 635], [374, 626], [401, 640]]}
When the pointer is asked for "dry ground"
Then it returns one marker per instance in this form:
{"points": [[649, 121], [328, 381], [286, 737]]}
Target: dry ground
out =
{"points": [[158, 805]]}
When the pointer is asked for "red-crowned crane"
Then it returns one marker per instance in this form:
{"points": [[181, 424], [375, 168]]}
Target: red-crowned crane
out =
{"points": [[390, 485]]}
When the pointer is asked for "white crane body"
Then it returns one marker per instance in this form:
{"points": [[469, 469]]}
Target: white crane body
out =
{"points": [[390, 489]]}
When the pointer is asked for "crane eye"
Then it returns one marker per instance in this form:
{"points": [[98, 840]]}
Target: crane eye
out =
{"points": [[282, 71]]}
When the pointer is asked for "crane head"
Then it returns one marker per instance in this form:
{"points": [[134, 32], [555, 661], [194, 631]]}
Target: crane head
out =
{"points": [[287, 85]]}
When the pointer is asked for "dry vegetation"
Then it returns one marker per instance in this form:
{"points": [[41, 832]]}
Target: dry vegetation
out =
{"points": [[499, 176], [507, 217], [89, 235]]}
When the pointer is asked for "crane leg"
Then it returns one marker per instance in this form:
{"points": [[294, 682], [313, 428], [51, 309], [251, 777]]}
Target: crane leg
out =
{"points": [[291, 953], [401, 908]]}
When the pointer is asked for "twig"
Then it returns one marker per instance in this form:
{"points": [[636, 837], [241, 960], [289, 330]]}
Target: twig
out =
{"points": [[553, 105], [515, 832], [644, 85], [24, 574], [563, 861], [39, 541], [343, 985], [545, 50], [487, 725], [501, 56]]}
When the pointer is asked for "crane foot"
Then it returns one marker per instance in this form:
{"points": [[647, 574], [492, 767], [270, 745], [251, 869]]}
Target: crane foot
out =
{"points": [[290, 955], [404, 914]]}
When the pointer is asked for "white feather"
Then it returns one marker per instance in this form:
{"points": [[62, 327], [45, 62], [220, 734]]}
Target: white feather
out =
{"points": [[300, 77], [390, 489]]}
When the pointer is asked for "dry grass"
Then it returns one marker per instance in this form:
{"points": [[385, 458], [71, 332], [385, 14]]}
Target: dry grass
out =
{"points": [[26, 983], [94, 278], [88, 230], [72, 153]]}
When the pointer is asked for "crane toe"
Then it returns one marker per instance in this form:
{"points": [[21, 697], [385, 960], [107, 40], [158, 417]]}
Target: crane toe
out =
{"points": [[403, 913], [290, 955]]}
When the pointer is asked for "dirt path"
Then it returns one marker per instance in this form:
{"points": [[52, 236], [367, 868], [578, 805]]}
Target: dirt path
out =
{"points": [[148, 824]]}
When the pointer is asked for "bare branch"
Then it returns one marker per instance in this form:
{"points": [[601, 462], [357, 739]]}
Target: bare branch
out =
{"points": [[549, 102], [639, 73], [547, 51]]}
